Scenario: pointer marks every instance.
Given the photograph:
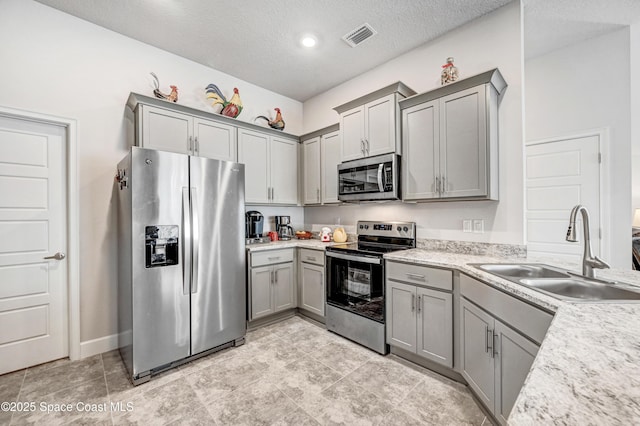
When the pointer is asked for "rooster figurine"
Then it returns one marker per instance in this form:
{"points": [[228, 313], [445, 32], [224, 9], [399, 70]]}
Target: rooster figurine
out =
{"points": [[231, 108], [172, 97], [277, 123]]}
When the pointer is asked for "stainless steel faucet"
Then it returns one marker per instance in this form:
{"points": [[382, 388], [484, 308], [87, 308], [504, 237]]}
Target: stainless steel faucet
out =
{"points": [[589, 261]]}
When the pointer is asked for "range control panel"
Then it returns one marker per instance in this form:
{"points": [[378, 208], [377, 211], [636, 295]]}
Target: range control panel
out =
{"points": [[387, 229]]}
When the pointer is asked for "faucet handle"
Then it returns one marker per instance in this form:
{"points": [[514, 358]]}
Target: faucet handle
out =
{"points": [[597, 263]]}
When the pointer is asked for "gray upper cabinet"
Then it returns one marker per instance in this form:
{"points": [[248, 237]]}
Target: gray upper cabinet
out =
{"points": [[168, 128], [271, 172], [312, 172], [370, 125], [321, 156], [450, 140], [419, 311]]}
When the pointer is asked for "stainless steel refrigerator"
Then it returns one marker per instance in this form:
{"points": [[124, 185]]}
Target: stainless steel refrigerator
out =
{"points": [[182, 285]]}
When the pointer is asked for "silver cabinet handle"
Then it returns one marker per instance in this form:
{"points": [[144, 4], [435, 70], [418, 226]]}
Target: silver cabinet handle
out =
{"points": [[311, 259], [275, 277], [489, 339], [368, 148], [190, 148], [273, 193], [494, 352], [57, 256], [273, 258], [437, 188], [195, 240], [318, 194], [186, 241], [444, 186], [197, 147], [419, 304], [486, 338], [413, 303], [362, 147], [416, 277]]}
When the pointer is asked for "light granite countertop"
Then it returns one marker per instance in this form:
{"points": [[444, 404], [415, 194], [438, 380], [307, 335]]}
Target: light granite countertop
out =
{"points": [[292, 243], [587, 370]]}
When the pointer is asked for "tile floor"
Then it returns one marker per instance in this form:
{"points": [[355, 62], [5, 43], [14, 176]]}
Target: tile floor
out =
{"points": [[289, 373]]}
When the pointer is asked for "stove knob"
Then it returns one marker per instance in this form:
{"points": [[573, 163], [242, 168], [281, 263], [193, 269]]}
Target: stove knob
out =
{"points": [[405, 229], [399, 229], [366, 227], [361, 226]]}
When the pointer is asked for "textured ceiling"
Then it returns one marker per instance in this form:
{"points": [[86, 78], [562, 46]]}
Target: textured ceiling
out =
{"points": [[258, 41]]}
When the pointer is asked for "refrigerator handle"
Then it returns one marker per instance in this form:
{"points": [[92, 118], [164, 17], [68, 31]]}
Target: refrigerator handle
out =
{"points": [[186, 241], [196, 239]]}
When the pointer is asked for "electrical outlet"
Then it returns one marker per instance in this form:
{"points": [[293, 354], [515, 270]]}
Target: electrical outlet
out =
{"points": [[478, 226], [466, 225]]}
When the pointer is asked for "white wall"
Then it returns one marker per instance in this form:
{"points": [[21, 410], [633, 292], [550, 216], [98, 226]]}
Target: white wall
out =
{"points": [[634, 50], [587, 86], [494, 40], [56, 64]]}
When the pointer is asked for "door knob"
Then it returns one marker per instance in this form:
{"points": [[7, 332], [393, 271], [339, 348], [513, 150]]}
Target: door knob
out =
{"points": [[57, 256]]}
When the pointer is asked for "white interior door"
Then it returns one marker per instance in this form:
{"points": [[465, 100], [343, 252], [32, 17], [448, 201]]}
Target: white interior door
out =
{"points": [[561, 174], [33, 290]]}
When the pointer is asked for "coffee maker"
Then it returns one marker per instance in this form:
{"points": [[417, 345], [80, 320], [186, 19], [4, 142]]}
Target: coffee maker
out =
{"points": [[285, 231], [253, 224]]}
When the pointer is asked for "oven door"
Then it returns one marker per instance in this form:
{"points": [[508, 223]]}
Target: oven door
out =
{"points": [[355, 283], [374, 178]]}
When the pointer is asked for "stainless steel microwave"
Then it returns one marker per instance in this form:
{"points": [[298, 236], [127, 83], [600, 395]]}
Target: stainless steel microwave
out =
{"points": [[370, 179]]}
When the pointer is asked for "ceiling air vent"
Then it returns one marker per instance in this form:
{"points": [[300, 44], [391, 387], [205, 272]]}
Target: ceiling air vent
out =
{"points": [[360, 34]]}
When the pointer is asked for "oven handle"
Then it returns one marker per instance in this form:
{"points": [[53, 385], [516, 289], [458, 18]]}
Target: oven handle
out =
{"points": [[362, 259], [380, 182]]}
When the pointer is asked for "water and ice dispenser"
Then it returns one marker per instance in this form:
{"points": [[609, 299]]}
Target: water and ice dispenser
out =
{"points": [[161, 245]]}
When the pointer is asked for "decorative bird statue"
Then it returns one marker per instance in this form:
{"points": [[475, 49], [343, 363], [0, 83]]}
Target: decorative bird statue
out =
{"points": [[231, 108], [277, 123], [172, 97]]}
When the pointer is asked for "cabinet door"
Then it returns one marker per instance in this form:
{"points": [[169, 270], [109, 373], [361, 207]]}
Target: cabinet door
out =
{"points": [[352, 134], [283, 289], [253, 151], [401, 315], [329, 160], [312, 288], [421, 151], [166, 130], [311, 170], [380, 126], [463, 143], [477, 360], [284, 171], [435, 326], [215, 140], [260, 292], [514, 357]]}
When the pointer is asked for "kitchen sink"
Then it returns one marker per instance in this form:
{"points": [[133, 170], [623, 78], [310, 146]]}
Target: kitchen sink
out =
{"points": [[558, 283], [578, 288], [523, 270]]}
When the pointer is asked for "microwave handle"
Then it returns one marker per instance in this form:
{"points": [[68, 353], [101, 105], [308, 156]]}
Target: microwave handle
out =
{"points": [[380, 177]]}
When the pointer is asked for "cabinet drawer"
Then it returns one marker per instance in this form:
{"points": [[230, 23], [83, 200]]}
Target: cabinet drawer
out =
{"points": [[520, 315], [420, 275], [312, 256], [271, 257]]}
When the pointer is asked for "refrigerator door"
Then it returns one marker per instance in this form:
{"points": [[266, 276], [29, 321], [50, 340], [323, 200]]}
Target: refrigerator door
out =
{"points": [[160, 299], [218, 288]]}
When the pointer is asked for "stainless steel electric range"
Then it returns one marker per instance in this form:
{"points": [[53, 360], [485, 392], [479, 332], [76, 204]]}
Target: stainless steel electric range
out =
{"points": [[355, 281]]}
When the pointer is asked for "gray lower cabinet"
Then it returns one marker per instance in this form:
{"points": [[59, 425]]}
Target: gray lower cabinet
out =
{"points": [[496, 358], [420, 318], [271, 284], [311, 281]]}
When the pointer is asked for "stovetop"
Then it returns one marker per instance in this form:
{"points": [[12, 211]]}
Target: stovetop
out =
{"points": [[378, 238]]}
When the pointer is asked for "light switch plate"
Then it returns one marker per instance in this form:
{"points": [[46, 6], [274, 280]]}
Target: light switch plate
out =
{"points": [[466, 225], [478, 226]]}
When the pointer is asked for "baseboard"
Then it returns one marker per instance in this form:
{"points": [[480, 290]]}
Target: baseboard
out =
{"points": [[97, 346]]}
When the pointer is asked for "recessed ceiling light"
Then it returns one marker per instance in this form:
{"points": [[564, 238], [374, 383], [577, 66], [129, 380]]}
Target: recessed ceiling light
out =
{"points": [[308, 41]]}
